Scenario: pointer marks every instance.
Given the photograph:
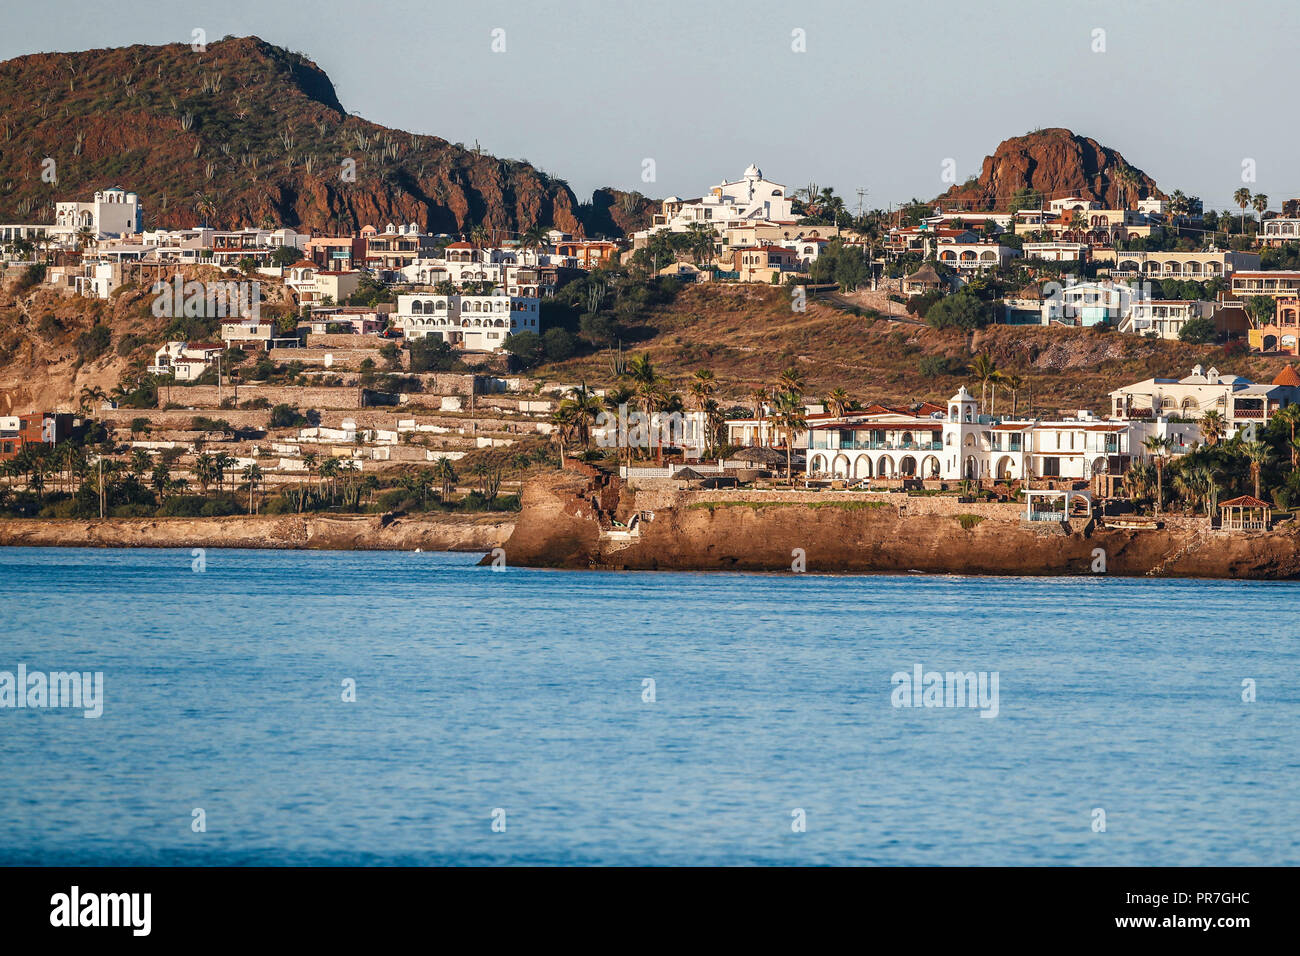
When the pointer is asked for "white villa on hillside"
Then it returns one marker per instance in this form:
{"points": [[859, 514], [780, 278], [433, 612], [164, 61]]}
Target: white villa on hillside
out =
{"points": [[956, 442], [1239, 400], [477, 322], [185, 360], [749, 199]]}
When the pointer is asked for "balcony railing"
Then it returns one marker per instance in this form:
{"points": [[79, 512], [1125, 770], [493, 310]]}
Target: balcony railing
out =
{"points": [[891, 446]]}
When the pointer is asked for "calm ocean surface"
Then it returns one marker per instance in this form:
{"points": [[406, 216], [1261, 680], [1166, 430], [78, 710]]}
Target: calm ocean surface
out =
{"points": [[523, 691]]}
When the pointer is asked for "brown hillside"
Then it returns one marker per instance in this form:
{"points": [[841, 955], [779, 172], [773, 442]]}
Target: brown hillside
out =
{"points": [[1056, 163], [748, 334], [253, 127]]}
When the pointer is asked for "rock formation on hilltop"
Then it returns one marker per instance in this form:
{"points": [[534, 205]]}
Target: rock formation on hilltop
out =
{"points": [[1054, 163], [256, 130]]}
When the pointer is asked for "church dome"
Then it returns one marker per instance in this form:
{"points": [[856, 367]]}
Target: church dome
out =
{"points": [[753, 172]]}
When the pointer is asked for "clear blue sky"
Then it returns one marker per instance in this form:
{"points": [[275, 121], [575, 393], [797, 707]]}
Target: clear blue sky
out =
{"points": [[885, 92]]}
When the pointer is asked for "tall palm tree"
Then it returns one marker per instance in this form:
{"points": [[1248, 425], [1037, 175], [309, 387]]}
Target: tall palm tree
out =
{"points": [[985, 369], [252, 475], [1259, 202], [204, 471], [758, 395], [445, 475], [535, 238], [648, 385], [160, 478], [791, 380], [1158, 448], [1242, 198], [617, 399], [1258, 454], [1287, 416], [1013, 383], [788, 415]]}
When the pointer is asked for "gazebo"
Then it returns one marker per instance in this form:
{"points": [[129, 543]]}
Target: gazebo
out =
{"points": [[1046, 498], [1246, 513]]}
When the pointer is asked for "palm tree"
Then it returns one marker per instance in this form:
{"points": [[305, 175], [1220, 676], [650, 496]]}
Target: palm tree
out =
{"points": [[838, 402], [253, 475], [1159, 447], [1198, 486], [1242, 198], [1259, 455], [586, 407], [204, 471], [616, 401], [445, 475], [700, 239], [703, 384], [90, 394], [329, 471], [160, 478], [1259, 202], [221, 463], [205, 206], [564, 420], [1012, 383], [647, 384], [791, 380], [788, 415], [1288, 416], [535, 237], [985, 369], [86, 236], [758, 395], [1213, 427]]}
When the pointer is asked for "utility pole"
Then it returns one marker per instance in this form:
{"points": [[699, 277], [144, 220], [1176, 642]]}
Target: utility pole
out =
{"points": [[101, 484]]}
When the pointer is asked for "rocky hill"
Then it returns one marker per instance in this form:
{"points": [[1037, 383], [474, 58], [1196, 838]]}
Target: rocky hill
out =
{"points": [[1055, 163], [259, 133]]}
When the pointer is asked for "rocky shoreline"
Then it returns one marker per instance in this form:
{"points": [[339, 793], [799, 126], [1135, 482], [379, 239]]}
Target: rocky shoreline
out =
{"points": [[429, 532], [580, 520]]}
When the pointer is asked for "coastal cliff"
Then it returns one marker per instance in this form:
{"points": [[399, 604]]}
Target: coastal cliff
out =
{"points": [[570, 521], [430, 532]]}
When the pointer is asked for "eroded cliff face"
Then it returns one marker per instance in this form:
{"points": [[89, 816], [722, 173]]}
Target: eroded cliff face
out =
{"points": [[844, 532], [1056, 163]]}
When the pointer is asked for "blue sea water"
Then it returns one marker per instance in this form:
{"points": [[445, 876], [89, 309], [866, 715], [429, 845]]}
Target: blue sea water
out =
{"points": [[523, 691]]}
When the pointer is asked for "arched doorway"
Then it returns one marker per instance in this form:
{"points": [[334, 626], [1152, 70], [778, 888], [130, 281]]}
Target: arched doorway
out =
{"points": [[972, 469], [885, 467], [1005, 468], [862, 467], [930, 467], [907, 467], [841, 466]]}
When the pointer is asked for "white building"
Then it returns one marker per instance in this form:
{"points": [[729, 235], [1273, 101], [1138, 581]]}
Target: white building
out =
{"points": [[476, 322], [746, 200], [974, 256], [113, 212], [1089, 303], [959, 443], [186, 360], [1163, 318], [1239, 400]]}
